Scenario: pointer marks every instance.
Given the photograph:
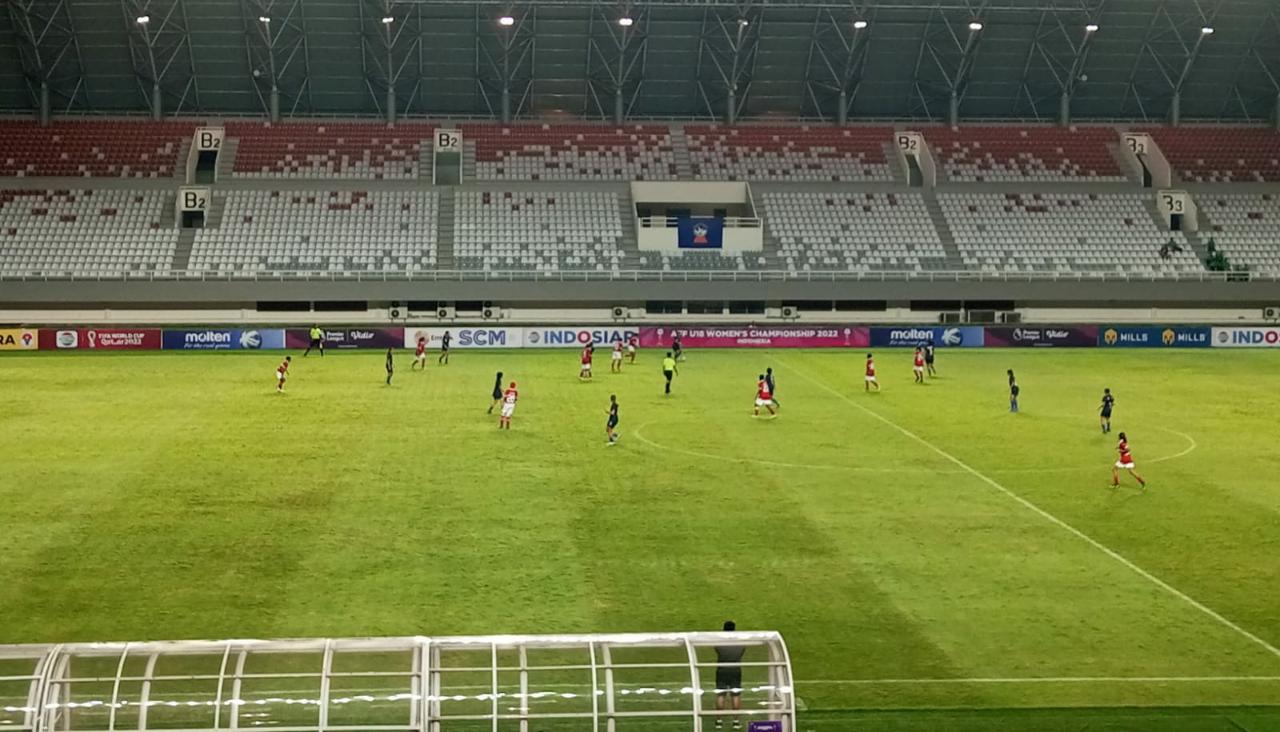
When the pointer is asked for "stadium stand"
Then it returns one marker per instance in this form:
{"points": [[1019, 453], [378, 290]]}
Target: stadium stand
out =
{"points": [[853, 231], [1063, 232], [84, 232], [1220, 154], [332, 231], [92, 148], [1246, 226], [327, 150], [539, 231], [690, 261], [789, 153], [572, 152], [1020, 154]]}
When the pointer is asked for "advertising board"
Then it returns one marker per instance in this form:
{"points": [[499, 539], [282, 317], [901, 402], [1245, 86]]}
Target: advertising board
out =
{"points": [[1259, 336], [105, 339], [947, 336], [464, 337], [1153, 336], [223, 339], [577, 336], [19, 339], [344, 338], [753, 336], [1042, 336]]}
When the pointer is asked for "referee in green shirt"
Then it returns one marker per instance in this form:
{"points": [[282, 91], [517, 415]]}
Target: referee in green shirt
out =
{"points": [[669, 370], [317, 341]]}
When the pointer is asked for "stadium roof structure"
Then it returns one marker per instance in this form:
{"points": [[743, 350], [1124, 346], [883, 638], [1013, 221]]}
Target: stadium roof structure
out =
{"points": [[729, 60], [416, 684]]}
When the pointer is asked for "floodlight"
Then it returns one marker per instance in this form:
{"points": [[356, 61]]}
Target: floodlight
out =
{"points": [[263, 19], [743, 22], [506, 21], [1091, 28], [859, 24], [975, 26], [388, 20], [626, 21], [143, 19], [1206, 30]]}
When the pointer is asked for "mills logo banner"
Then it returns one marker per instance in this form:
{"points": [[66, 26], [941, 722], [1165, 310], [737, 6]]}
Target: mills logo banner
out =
{"points": [[1153, 336]]}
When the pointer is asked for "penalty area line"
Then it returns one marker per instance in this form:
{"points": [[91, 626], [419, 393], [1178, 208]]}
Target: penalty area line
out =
{"points": [[1273, 650]]}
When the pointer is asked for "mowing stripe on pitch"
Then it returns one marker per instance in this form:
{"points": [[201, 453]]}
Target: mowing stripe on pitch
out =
{"points": [[1043, 513]]}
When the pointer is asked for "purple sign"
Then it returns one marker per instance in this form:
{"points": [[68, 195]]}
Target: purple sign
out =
{"points": [[1042, 336], [349, 338], [772, 725]]}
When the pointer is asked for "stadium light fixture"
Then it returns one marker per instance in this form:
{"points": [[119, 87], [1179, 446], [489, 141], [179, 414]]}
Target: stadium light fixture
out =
{"points": [[859, 24], [388, 20], [975, 26], [506, 21], [143, 19], [263, 19], [743, 22], [1091, 28], [626, 21], [1206, 30]]}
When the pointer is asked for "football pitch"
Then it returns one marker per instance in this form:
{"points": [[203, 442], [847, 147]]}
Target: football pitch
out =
{"points": [[933, 561]]}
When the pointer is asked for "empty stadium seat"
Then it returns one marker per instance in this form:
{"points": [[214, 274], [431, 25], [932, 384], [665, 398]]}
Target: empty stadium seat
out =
{"points": [[752, 152], [92, 148], [572, 152], [1018, 154], [688, 261], [1111, 233], [1246, 226], [1220, 154], [320, 231], [538, 231], [361, 150], [85, 232], [854, 232]]}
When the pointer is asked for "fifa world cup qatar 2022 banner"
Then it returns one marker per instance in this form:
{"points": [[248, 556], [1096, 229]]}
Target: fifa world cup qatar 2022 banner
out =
{"points": [[1042, 336], [347, 338], [753, 336], [101, 339]]}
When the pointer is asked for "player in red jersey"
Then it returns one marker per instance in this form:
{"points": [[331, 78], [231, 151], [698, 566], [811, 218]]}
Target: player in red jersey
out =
{"points": [[420, 355], [919, 365], [584, 373], [870, 380], [282, 372], [633, 344], [1124, 462], [509, 398], [615, 362], [764, 397]]}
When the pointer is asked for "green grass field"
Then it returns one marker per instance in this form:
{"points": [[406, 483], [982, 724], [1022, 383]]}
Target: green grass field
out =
{"points": [[933, 561]]}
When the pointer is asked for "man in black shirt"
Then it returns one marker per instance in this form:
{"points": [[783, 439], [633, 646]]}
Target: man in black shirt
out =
{"points": [[773, 386], [729, 677], [444, 348], [497, 392], [391, 367]]}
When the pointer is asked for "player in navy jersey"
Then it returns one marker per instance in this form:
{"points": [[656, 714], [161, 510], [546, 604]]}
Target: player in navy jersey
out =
{"points": [[1014, 391], [1108, 402], [391, 366], [928, 359], [773, 385], [497, 392], [611, 426]]}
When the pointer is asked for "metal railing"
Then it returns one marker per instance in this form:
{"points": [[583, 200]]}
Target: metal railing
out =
{"points": [[632, 275], [670, 222]]}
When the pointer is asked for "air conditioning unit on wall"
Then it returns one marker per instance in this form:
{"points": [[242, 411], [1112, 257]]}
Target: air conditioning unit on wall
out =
{"points": [[445, 312], [620, 313], [491, 313], [789, 312], [396, 312], [1271, 313]]}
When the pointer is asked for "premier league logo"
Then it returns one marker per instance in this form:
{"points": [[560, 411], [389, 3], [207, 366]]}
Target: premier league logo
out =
{"points": [[700, 231]]}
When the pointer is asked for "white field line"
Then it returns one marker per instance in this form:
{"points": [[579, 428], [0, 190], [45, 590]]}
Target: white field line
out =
{"points": [[1045, 515], [1046, 680]]}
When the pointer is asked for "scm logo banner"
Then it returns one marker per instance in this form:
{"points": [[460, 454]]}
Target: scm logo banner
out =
{"points": [[19, 339]]}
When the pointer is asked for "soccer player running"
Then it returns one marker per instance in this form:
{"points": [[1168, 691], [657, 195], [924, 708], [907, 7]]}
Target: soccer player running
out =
{"points": [[764, 397], [1104, 411], [509, 398], [928, 359], [870, 379], [317, 341], [633, 344], [1014, 391], [611, 426], [584, 370], [615, 364], [918, 365], [445, 340], [391, 366], [282, 373], [669, 370], [773, 386], [677, 347], [420, 354], [497, 392], [1124, 462], [729, 678]]}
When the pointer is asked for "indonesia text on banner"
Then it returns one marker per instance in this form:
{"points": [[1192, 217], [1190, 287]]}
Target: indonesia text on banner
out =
{"points": [[947, 336], [700, 232], [1246, 337], [1042, 336], [223, 339], [1153, 336], [481, 337], [348, 338], [19, 339], [105, 339], [575, 336], [752, 336]]}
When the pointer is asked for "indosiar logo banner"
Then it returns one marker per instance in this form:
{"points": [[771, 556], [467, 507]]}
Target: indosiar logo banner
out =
{"points": [[465, 337], [577, 337], [1246, 337], [700, 232], [19, 339], [223, 339], [950, 336], [1153, 336]]}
